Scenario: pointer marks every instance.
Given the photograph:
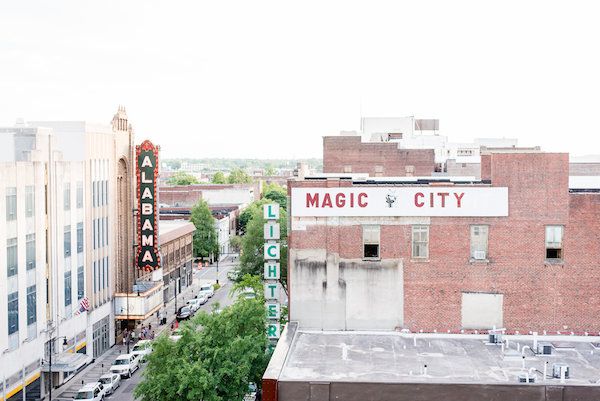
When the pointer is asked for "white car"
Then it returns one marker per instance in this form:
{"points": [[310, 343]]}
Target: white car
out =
{"points": [[141, 349], [196, 303], [251, 394], [110, 381], [207, 289], [91, 392], [125, 365]]}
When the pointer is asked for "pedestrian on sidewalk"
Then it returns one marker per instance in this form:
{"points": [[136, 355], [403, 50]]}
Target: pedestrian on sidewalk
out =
{"points": [[152, 335], [149, 326], [125, 336]]}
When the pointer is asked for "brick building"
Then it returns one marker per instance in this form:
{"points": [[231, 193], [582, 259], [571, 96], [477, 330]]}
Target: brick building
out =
{"points": [[525, 259], [348, 154]]}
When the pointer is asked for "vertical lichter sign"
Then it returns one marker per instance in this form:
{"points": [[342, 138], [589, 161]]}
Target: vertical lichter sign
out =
{"points": [[147, 256], [272, 271]]}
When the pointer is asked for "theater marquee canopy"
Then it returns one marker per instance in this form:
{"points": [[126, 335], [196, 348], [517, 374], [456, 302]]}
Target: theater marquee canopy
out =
{"points": [[401, 201]]}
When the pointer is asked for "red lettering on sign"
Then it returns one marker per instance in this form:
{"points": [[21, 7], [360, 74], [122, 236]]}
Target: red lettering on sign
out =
{"points": [[362, 196], [340, 200], [431, 199], [312, 200], [458, 198], [327, 201], [417, 196], [443, 196]]}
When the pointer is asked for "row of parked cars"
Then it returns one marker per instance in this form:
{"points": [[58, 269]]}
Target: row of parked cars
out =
{"points": [[187, 311], [124, 366]]}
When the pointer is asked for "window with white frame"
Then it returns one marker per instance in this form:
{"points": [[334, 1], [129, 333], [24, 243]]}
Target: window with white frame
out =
{"points": [[67, 196], [29, 201], [479, 242], [11, 203], [79, 194], [371, 237], [11, 257], [554, 242], [67, 241], [30, 251], [420, 242]]}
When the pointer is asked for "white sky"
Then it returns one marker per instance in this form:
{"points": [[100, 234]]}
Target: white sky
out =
{"points": [[270, 78]]}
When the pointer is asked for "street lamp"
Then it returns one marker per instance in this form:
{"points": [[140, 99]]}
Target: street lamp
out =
{"points": [[50, 361]]}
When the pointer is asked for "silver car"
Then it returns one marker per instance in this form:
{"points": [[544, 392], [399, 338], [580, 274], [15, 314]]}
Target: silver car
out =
{"points": [[110, 381]]}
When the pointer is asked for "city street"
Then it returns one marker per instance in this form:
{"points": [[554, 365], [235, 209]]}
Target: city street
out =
{"points": [[102, 365]]}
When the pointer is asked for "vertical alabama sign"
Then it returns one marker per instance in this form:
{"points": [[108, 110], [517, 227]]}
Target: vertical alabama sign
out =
{"points": [[147, 225], [272, 271]]}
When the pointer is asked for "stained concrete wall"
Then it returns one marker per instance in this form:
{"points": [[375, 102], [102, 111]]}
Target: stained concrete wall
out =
{"points": [[329, 293], [481, 310]]}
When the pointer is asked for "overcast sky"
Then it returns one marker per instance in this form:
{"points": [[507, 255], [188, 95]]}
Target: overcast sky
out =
{"points": [[270, 78]]}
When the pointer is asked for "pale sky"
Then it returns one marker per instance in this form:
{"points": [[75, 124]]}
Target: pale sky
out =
{"points": [[270, 78]]}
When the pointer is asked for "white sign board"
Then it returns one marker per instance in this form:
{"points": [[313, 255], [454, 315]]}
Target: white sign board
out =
{"points": [[272, 270], [273, 311], [271, 211], [271, 231], [272, 291], [271, 250], [400, 201]]}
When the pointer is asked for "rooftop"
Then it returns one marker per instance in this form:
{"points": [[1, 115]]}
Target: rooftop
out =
{"points": [[394, 357], [169, 230]]}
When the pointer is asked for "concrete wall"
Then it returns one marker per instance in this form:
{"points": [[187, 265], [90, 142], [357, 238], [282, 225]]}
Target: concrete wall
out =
{"points": [[331, 293], [481, 310]]}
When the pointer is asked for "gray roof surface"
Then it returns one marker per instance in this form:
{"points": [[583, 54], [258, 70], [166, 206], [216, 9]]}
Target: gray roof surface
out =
{"points": [[393, 357]]}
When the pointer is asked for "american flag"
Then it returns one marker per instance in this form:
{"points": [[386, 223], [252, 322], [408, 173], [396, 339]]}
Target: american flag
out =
{"points": [[84, 305]]}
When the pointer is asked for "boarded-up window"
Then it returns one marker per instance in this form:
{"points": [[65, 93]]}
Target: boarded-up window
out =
{"points": [[347, 169], [420, 242], [481, 310], [371, 242], [479, 242]]}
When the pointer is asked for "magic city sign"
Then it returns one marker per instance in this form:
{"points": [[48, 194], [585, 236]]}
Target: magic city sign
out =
{"points": [[147, 256]]}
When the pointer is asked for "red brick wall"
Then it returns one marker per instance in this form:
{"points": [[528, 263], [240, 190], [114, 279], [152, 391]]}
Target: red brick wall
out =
{"points": [[538, 295], [340, 151]]}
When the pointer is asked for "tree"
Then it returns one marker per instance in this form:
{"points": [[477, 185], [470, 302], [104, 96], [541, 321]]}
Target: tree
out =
{"points": [[239, 176], [219, 178], [270, 170], [215, 359], [276, 193], [205, 236], [246, 215], [252, 258], [235, 242], [182, 178], [249, 281]]}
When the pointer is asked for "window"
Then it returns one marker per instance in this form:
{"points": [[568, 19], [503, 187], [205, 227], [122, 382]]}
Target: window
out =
{"points": [[80, 283], [13, 312], [11, 257], [67, 195], [29, 201], [371, 242], [11, 203], [67, 288], [80, 237], [31, 305], [30, 251], [554, 235], [106, 272], [95, 280], [347, 169], [106, 192], [79, 194], [94, 194], [420, 242], [67, 241], [479, 242]]}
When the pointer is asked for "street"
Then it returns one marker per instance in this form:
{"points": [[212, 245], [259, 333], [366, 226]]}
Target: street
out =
{"points": [[102, 364]]}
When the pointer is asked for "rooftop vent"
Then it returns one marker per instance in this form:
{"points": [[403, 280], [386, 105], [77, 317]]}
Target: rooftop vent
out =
{"points": [[495, 338], [525, 378]]}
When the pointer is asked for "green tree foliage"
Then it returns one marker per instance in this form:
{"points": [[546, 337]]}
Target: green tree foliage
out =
{"points": [[276, 193], [249, 281], [246, 215], [270, 170], [182, 178], [215, 359], [252, 258], [239, 176], [205, 236], [219, 178], [235, 242]]}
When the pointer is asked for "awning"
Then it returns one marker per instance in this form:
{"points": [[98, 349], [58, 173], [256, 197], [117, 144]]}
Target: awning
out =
{"points": [[67, 362]]}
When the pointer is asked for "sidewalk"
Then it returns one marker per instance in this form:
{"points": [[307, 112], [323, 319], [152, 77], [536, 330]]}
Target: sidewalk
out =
{"points": [[102, 364]]}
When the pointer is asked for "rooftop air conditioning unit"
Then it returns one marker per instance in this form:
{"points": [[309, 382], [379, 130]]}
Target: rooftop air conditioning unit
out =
{"points": [[495, 338], [544, 348], [558, 369], [523, 378], [479, 255]]}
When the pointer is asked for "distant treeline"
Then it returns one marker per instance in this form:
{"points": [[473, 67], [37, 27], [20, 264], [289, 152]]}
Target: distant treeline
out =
{"points": [[231, 164]]}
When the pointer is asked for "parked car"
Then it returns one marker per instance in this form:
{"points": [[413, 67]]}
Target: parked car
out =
{"points": [[196, 303], [184, 313], [91, 392], [233, 274], [251, 393], [125, 365], [110, 382], [141, 349], [207, 289], [248, 293]]}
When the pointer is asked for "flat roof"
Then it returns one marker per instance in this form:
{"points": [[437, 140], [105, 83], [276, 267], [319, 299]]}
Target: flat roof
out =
{"points": [[168, 230], [394, 357]]}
